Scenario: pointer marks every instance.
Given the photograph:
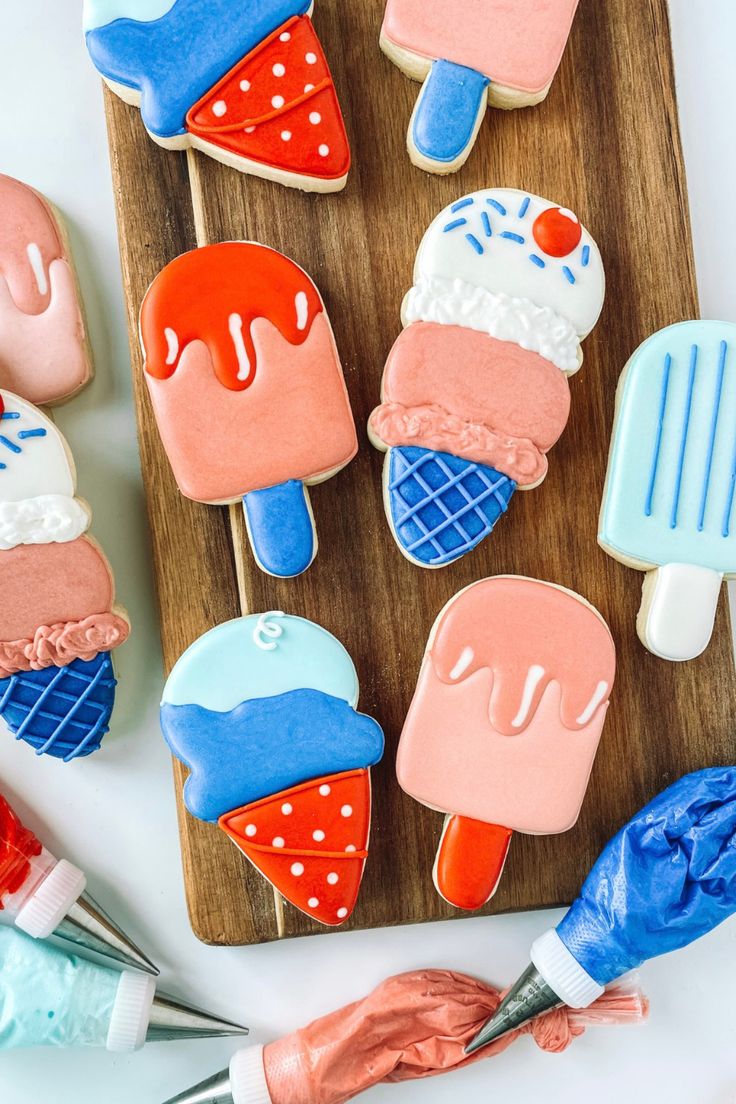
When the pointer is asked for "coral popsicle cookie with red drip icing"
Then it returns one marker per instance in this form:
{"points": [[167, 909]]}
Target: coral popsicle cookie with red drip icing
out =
{"points": [[44, 354], [262, 710], [246, 83], [505, 723], [248, 391]]}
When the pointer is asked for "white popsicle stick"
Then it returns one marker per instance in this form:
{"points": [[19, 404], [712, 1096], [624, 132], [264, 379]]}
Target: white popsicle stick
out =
{"points": [[678, 609]]}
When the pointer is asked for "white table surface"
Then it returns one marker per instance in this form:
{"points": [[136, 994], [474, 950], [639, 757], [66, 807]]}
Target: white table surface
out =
{"points": [[114, 814]]}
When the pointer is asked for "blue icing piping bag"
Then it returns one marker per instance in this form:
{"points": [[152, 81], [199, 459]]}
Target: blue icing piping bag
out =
{"points": [[666, 879]]}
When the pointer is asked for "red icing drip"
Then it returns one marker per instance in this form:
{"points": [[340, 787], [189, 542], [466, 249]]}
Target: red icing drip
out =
{"points": [[17, 846], [557, 232], [213, 295]]}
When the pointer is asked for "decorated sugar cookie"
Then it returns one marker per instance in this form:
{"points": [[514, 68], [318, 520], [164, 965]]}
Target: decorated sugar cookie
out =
{"points": [[43, 347], [246, 83], [470, 56], [262, 710], [248, 391], [505, 723], [58, 618], [475, 390], [668, 505]]}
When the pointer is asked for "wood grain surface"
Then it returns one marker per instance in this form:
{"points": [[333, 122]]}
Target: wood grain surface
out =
{"points": [[606, 144]]}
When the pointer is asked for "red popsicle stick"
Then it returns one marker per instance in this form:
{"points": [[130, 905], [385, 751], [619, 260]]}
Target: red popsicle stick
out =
{"points": [[470, 861]]}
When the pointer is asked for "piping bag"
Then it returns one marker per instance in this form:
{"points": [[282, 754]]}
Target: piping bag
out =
{"points": [[666, 879], [412, 1026], [51, 997], [44, 897]]}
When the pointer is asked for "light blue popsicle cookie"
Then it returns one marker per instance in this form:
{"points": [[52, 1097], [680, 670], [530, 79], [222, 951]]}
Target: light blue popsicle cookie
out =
{"points": [[668, 505]]}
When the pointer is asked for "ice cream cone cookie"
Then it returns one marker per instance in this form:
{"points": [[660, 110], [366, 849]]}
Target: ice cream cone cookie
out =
{"points": [[43, 348], [245, 83], [668, 503], [262, 710], [475, 390], [240, 331], [505, 723], [471, 56], [58, 619]]}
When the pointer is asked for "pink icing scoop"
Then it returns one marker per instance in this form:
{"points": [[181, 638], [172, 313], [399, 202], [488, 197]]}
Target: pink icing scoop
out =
{"points": [[505, 723], [412, 1026]]}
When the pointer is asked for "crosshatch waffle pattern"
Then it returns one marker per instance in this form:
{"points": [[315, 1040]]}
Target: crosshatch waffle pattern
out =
{"points": [[441, 505]]}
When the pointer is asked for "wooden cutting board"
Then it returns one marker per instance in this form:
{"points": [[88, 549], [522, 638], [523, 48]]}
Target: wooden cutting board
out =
{"points": [[606, 144]]}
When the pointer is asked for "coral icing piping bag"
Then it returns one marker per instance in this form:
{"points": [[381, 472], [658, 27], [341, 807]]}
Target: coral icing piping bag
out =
{"points": [[666, 879], [44, 897], [411, 1026], [51, 997]]}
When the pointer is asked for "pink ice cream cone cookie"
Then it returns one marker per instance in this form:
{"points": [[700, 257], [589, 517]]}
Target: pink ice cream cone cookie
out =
{"points": [[43, 349], [240, 332], [475, 390], [505, 723], [58, 618], [471, 56]]}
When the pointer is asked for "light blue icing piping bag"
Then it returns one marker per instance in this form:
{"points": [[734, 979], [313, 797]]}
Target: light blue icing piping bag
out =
{"points": [[449, 112], [665, 880], [49, 997], [281, 529]]}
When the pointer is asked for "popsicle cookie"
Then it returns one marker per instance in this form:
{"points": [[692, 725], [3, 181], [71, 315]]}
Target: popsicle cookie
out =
{"points": [[263, 712], [505, 723], [44, 354], [245, 83], [58, 616], [475, 390], [248, 391], [668, 503], [471, 55]]}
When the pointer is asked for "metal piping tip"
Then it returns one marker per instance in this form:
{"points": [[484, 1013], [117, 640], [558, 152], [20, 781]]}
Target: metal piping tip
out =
{"points": [[88, 927], [173, 1019], [215, 1090], [529, 998]]}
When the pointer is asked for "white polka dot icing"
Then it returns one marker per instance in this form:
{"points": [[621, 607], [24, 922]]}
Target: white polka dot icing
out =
{"points": [[325, 790], [313, 902], [346, 811], [318, 835], [279, 70], [219, 108], [332, 878], [297, 869]]}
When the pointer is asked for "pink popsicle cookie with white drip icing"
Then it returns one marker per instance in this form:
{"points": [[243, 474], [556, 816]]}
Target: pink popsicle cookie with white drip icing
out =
{"points": [[505, 723], [44, 354], [475, 390]]}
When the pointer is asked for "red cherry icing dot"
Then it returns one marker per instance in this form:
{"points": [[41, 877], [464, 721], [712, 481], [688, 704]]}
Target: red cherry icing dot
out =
{"points": [[557, 232]]}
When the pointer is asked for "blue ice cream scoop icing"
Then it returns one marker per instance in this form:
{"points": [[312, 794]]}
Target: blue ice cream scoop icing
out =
{"points": [[261, 704], [171, 52]]}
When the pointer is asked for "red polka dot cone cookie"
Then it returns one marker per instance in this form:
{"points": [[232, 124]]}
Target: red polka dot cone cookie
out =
{"points": [[263, 712], [475, 390], [246, 83]]}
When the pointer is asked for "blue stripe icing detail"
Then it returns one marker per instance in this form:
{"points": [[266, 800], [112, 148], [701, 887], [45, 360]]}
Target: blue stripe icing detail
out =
{"points": [[671, 482], [175, 59], [451, 100], [474, 243], [461, 203], [512, 237], [585, 257], [568, 274], [524, 206], [455, 224], [486, 224], [537, 260], [496, 206]]}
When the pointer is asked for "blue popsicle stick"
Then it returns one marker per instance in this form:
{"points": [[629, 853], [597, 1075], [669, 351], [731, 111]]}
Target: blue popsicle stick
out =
{"points": [[447, 111], [280, 528]]}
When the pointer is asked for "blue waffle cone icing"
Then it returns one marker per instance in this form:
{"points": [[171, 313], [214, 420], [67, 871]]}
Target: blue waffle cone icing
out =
{"points": [[61, 711], [441, 505]]}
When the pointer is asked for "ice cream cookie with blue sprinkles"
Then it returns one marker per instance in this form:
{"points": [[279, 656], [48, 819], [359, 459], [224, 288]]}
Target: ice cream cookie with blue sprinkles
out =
{"points": [[475, 390]]}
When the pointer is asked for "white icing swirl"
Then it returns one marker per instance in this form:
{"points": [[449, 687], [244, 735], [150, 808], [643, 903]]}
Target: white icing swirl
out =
{"points": [[456, 303], [42, 520], [265, 626]]}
